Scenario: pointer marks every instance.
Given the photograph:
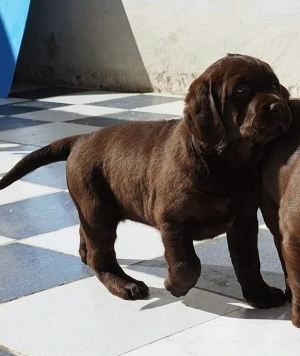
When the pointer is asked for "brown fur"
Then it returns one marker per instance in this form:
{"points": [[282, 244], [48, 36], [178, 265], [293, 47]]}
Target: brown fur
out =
{"points": [[281, 204], [192, 178]]}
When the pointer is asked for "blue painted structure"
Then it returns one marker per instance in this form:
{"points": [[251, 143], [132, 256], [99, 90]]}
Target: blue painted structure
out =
{"points": [[13, 16]]}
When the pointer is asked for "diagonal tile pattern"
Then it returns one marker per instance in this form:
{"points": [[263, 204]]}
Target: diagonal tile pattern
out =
{"points": [[11, 123], [47, 294]]}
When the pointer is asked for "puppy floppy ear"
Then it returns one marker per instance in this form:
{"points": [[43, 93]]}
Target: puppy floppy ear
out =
{"points": [[285, 93], [202, 117]]}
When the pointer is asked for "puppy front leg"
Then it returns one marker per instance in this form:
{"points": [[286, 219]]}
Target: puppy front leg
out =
{"points": [[184, 266], [270, 212]]}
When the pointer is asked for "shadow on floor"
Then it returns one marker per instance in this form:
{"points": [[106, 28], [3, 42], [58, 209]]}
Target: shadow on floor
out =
{"points": [[220, 280], [243, 311]]}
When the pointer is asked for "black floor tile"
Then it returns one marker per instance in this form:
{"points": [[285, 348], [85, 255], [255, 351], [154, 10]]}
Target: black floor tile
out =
{"points": [[136, 101], [43, 105], [26, 270], [17, 109], [10, 123], [37, 215], [45, 92], [97, 121]]}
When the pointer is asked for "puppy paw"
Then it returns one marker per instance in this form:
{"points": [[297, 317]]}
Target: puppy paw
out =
{"points": [[267, 297], [132, 291], [177, 291], [124, 286], [137, 291]]}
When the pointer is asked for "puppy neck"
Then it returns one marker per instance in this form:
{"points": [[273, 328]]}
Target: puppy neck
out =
{"points": [[241, 151]]}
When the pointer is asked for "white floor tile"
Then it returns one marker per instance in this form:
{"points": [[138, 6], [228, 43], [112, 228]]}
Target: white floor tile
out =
{"points": [[135, 242], [64, 240], [44, 134], [87, 97], [82, 318], [88, 110], [23, 190], [174, 108], [10, 158], [244, 332], [7, 145], [5, 240]]}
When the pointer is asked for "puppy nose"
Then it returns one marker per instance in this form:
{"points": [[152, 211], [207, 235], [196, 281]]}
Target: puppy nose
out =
{"points": [[281, 115], [277, 109]]}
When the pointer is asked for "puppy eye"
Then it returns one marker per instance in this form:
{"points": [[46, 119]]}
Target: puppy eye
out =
{"points": [[242, 90], [275, 86]]}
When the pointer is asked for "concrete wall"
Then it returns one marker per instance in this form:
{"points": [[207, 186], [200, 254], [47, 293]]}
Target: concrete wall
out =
{"points": [[156, 45]]}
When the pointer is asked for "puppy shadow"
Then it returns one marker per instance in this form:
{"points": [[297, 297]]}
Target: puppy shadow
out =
{"points": [[220, 305], [216, 292]]}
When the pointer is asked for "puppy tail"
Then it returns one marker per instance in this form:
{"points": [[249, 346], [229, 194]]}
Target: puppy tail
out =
{"points": [[55, 152]]}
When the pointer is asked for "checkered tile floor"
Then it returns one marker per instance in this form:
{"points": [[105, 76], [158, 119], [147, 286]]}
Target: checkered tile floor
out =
{"points": [[51, 304]]}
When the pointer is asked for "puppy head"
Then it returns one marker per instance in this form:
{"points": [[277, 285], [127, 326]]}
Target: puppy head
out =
{"points": [[237, 98]]}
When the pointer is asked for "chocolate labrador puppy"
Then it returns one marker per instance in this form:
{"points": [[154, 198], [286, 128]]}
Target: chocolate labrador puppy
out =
{"points": [[192, 179], [281, 204]]}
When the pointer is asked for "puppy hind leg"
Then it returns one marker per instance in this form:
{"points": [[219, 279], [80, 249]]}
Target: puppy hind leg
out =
{"points": [[99, 217], [101, 257]]}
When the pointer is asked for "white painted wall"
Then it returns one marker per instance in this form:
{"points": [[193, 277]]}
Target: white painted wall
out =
{"points": [[155, 44]]}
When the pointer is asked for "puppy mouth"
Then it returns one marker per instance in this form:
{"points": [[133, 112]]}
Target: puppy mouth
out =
{"points": [[268, 123], [264, 132]]}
